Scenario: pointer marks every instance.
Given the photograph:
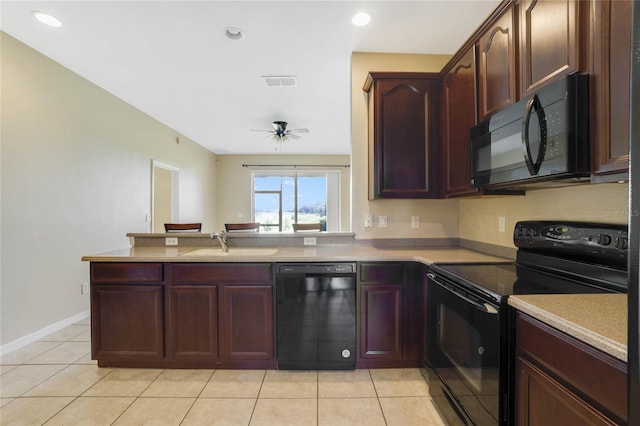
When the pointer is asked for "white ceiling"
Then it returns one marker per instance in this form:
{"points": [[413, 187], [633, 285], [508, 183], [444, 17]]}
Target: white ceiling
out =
{"points": [[171, 59]]}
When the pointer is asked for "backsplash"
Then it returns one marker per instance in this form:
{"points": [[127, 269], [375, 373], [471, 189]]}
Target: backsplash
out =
{"points": [[602, 203]]}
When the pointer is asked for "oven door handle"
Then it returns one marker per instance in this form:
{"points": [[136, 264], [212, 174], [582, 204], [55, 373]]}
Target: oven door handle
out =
{"points": [[484, 307]]}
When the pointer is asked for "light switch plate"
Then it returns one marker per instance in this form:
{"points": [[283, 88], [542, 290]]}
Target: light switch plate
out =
{"points": [[171, 241], [382, 221], [415, 221], [502, 223]]}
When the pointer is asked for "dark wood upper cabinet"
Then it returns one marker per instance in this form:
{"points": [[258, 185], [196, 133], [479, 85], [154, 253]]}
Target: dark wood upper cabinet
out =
{"points": [[403, 134], [550, 32], [458, 117], [610, 89], [497, 78]]}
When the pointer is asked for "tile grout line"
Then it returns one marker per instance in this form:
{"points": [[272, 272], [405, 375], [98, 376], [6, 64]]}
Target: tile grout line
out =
{"points": [[375, 389], [255, 404], [197, 396]]}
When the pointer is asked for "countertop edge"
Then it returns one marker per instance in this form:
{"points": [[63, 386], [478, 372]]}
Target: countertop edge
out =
{"points": [[585, 335]]}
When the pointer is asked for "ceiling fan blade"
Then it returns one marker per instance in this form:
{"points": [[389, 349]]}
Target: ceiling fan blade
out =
{"points": [[292, 136], [258, 130], [299, 130]]}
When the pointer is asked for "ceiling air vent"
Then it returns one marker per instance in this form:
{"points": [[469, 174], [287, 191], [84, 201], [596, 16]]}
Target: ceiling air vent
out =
{"points": [[280, 81]]}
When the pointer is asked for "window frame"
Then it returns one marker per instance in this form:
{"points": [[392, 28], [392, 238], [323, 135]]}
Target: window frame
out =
{"points": [[333, 181]]}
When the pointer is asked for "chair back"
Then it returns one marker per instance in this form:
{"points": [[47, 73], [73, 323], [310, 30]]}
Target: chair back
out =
{"points": [[242, 227], [182, 227]]}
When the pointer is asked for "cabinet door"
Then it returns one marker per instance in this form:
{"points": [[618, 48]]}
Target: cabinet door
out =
{"points": [[193, 323], [459, 115], [551, 381], [610, 89], [548, 41], [246, 322], [381, 321], [497, 65], [403, 112], [542, 401], [127, 322]]}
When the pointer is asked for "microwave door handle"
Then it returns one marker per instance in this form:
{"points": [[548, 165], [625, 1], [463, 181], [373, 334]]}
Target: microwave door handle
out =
{"points": [[534, 103]]}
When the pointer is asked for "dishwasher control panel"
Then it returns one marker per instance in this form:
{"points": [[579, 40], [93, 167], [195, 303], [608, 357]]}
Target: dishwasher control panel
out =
{"points": [[316, 268]]}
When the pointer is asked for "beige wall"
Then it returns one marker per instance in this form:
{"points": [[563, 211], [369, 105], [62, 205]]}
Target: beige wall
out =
{"points": [[438, 218], [233, 192], [606, 203], [75, 176]]}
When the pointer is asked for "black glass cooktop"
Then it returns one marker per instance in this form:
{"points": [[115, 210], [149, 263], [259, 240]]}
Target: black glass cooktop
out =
{"points": [[497, 280]]}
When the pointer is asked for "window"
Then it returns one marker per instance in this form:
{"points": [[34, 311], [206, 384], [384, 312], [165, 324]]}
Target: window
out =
{"points": [[281, 199]]}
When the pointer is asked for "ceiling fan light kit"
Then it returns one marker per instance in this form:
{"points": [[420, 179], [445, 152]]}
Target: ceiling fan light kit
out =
{"points": [[280, 133]]}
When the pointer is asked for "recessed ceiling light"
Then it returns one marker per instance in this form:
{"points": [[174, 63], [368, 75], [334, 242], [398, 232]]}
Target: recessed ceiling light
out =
{"points": [[47, 19], [361, 19], [234, 33]]}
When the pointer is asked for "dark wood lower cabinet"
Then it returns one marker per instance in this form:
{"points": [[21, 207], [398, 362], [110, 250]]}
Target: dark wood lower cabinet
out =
{"points": [[127, 322], [381, 322], [190, 315], [560, 380], [217, 315], [390, 332], [544, 401], [246, 318], [193, 324]]}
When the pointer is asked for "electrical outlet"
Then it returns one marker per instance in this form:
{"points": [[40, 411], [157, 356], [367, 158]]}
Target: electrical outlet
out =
{"points": [[382, 221], [415, 221], [309, 241], [368, 221], [171, 241], [502, 223], [84, 288]]}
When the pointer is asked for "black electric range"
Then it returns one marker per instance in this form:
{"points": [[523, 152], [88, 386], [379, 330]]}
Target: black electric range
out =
{"points": [[467, 315]]}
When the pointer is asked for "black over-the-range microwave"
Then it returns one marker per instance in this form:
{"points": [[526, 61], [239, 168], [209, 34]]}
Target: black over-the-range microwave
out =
{"points": [[544, 138]]}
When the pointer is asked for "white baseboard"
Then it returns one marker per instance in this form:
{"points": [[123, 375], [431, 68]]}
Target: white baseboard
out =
{"points": [[37, 335]]}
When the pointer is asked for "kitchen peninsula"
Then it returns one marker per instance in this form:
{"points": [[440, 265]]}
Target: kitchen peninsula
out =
{"points": [[193, 306]]}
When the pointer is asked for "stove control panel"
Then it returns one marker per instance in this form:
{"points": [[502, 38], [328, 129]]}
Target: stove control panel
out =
{"points": [[574, 238]]}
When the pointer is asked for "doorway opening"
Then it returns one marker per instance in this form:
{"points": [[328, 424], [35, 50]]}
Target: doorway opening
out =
{"points": [[164, 195]]}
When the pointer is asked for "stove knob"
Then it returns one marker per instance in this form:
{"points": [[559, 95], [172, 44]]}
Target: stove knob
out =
{"points": [[604, 239], [622, 243]]}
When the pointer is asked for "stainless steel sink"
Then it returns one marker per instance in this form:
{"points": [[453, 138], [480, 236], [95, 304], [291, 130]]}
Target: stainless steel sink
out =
{"points": [[239, 251]]}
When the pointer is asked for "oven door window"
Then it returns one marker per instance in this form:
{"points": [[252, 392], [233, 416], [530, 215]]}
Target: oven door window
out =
{"points": [[470, 346], [464, 348]]}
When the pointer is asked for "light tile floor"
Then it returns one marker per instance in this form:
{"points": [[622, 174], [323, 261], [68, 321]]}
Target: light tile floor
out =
{"points": [[55, 382]]}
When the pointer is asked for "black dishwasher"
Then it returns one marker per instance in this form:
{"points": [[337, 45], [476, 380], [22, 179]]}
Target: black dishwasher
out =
{"points": [[316, 316]]}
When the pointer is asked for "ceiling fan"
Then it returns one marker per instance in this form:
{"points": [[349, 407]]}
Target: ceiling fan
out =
{"points": [[280, 133]]}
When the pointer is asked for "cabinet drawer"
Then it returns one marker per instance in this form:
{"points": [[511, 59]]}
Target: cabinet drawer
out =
{"points": [[595, 376], [206, 273], [382, 272], [127, 272]]}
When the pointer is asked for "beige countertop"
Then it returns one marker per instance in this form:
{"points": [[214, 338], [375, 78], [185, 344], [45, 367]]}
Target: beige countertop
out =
{"points": [[323, 253], [599, 320]]}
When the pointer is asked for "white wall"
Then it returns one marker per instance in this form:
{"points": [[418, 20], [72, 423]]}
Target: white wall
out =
{"points": [[75, 178]]}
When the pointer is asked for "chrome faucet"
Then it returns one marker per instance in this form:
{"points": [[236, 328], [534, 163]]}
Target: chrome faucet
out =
{"points": [[224, 242]]}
